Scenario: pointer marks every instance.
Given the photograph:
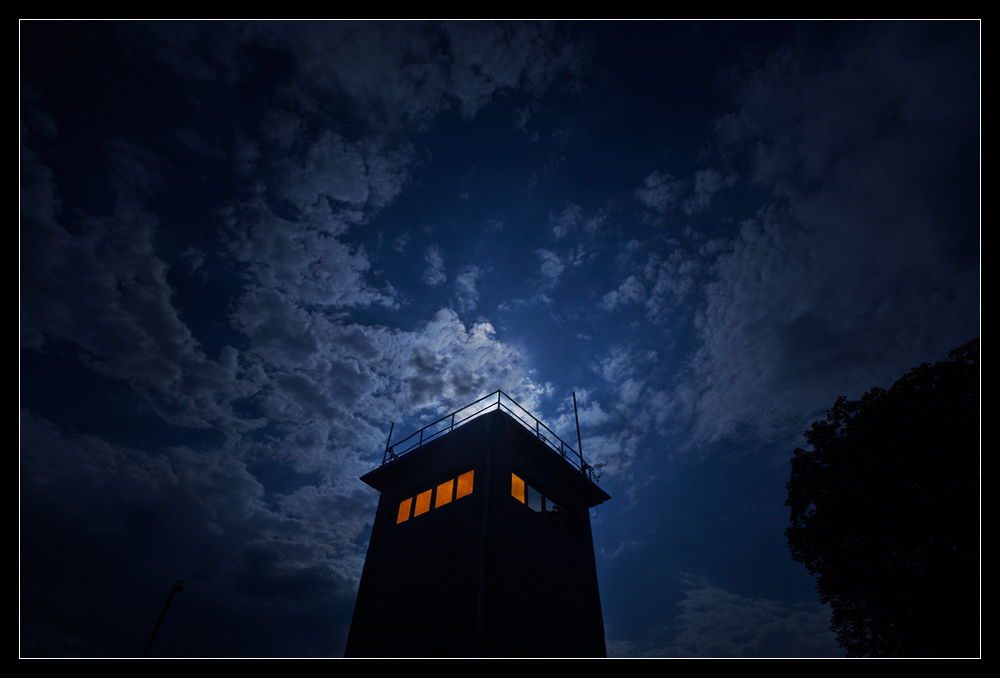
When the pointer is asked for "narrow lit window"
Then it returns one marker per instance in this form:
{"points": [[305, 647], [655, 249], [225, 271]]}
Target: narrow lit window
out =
{"points": [[464, 485], [516, 487], [404, 510], [444, 492], [423, 503]]}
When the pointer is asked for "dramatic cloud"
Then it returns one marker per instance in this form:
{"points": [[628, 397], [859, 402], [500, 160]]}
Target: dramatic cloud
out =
{"points": [[248, 249], [452, 365]]}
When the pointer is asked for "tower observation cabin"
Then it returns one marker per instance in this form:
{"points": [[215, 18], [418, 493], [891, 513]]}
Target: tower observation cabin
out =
{"points": [[481, 545]]}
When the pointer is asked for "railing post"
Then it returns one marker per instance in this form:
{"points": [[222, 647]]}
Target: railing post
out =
{"points": [[452, 427]]}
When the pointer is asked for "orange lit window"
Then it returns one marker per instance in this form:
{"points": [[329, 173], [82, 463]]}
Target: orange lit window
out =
{"points": [[443, 495], [516, 488], [404, 510], [529, 496], [423, 503], [464, 485], [446, 492]]}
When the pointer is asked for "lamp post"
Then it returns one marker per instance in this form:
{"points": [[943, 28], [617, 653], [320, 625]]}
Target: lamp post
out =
{"points": [[178, 587]]}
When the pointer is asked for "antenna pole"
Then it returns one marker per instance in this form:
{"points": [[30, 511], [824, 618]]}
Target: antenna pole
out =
{"points": [[579, 441], [388, 440]]}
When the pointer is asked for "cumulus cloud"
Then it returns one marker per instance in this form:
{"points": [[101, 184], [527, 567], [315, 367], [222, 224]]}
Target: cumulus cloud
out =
{"points": [[593, 224], [629, 292], [105, 289], [305, 259], [420, 69], [331, 383], [716, 623], [802, 299], [255, 341], [143, 518], [434, 273], [660, 192], [452, 365], [491, 57], [664, 283], [672, 281], [400, 243], [706, 183], [552, 265], [357, 174], [466, 293], [260, 505], [566, 222]]}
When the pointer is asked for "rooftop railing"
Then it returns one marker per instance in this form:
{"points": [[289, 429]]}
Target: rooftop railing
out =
{"points": [[498, 400]]}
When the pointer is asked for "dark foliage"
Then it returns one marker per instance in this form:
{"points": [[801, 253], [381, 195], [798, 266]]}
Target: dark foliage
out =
{"points": [[885, 513]]}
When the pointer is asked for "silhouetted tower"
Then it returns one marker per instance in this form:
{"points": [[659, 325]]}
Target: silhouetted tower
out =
{"points": [[481, 544]]}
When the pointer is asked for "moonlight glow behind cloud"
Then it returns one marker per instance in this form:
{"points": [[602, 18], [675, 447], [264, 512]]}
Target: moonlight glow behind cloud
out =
{"points": [[247, 249]]}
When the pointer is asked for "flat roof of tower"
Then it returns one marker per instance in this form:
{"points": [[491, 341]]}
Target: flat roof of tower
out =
{"points": [[496, 401]]}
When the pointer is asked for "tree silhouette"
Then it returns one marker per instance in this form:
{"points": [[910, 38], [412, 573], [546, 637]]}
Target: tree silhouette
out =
{"points": [[885, 513]]}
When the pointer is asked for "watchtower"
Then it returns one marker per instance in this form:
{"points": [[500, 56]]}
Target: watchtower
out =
{"points": [[481, 545]]}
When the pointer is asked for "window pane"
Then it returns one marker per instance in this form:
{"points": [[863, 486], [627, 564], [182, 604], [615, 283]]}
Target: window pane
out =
{"points": [[516, 488], [534, 499], [443, 495], [423, 503], [404, 510], [464, 485]]}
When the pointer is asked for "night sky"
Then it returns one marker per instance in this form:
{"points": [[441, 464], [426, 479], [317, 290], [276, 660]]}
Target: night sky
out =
{"points": [[247, 249]]}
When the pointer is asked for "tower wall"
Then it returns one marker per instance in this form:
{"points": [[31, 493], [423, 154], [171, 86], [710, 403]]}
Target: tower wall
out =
{"points": [[488, 573]]}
